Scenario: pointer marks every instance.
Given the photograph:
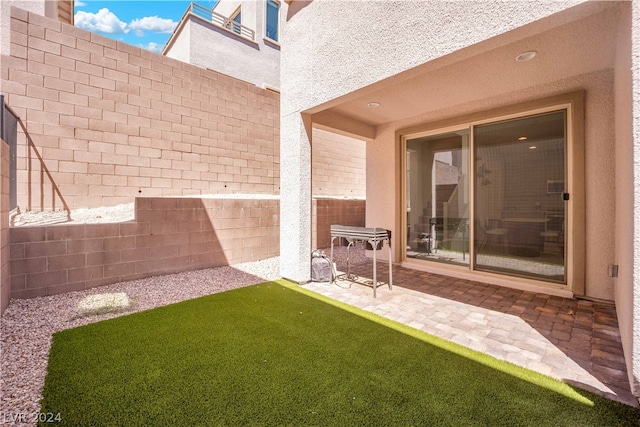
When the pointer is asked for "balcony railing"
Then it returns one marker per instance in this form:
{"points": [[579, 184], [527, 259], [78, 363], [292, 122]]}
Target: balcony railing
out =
{"points": [[222, 21]]}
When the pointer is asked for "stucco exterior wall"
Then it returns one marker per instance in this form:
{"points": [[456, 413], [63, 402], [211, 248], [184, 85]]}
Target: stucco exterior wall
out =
{"points": [[624, 185], [370, 33], [632, 329], [217, 49], [599, 162], [472, 36], [227, 7], [206, 45], [316, 73], [181, 47]]}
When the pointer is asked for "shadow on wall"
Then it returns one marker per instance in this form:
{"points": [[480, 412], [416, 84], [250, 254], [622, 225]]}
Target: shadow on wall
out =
{"points": [[295, 7], [40, 182], [328, 211], [169, 235]]}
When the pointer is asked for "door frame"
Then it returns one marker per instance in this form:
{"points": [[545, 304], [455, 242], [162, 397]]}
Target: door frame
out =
{"points": [[575, 251]]}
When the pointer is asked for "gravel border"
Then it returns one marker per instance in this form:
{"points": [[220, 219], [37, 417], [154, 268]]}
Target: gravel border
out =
{"points": [[27, 325]]}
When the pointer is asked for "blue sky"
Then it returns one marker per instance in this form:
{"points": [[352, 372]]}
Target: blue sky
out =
{"points": [[143, 23]]}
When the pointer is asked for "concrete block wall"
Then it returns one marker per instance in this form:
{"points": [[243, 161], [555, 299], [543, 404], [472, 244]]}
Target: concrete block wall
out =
{"points": [[326, 211], [113, 122], [169, 235], [338, 165], [248, 229], [5, 284]]}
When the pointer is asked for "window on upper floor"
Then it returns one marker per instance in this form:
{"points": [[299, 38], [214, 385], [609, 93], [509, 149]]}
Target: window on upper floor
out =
{"points": [[236, 21], [273, 20]]}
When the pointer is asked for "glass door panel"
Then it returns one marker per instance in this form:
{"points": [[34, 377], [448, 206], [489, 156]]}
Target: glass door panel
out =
{"points": [[437, 186], [519, 211]]}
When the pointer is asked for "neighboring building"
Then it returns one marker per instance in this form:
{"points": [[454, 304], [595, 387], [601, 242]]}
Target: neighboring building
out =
{"points": [[237, 38], [502, 144]]}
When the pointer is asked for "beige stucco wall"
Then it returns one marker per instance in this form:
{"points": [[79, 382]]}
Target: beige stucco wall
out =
{"points": [[599, 161], [380, 59], [629, 293], [624, 185], [600, 137], [180, 47], [227, 7], [384, 39], [206, 45], [376, 44]]}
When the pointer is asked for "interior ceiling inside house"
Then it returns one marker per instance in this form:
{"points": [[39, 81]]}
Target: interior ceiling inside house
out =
{"points": [[575, 48]]}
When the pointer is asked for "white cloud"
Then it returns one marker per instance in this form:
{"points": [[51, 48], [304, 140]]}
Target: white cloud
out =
{"points": [[104, 21], [153, 47], [78, 3], [153, 24]]}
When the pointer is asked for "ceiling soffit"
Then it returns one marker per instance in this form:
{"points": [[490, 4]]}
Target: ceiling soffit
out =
{"points": [[573, 49]]}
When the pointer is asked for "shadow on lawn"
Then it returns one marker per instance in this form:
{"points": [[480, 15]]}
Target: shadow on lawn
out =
{"points": [[267, 355], [587, 332]]}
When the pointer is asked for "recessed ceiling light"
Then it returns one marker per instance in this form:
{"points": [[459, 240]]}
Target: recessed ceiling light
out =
{"points": [[373, 104], [526, 56], [533, 147], [522, 138]]}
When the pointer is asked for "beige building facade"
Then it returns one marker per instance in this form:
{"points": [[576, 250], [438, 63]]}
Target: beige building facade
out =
{"points": [[502, 139], [236, 38]]}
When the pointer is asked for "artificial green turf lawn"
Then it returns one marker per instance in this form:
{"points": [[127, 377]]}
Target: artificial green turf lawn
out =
{"points": [[270, 354]]}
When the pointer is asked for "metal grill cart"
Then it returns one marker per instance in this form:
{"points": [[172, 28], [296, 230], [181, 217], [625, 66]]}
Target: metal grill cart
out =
{"points": [[374, 236]]}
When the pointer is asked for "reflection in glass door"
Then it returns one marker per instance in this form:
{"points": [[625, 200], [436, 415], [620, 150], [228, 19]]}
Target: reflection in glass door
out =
{"points": [[519, 208], [519, 211], [438, 197]]}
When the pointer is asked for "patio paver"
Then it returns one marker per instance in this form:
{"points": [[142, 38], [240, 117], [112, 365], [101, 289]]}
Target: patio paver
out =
{"points": [[573, 340]]}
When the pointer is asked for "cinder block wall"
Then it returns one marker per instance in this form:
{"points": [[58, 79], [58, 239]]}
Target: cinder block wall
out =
{"points": [[338, 181], [169, 235], [5, 284], [334, 211], [113, 122], [338, 166]]}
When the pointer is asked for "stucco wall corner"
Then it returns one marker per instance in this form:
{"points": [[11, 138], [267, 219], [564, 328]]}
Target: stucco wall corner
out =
{"points": [[295, 198], [635, 67]]}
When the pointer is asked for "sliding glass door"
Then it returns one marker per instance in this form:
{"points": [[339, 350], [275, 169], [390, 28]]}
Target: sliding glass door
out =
{"points": [[517, 188], [438, 197], [519, 208]]}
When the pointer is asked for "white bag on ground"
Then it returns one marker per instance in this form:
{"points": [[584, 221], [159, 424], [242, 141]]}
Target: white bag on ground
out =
{"points": [[321, 267]]}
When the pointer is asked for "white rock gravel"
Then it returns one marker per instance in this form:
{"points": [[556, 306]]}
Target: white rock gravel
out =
{"points": [[119, 213], [27, 325]]}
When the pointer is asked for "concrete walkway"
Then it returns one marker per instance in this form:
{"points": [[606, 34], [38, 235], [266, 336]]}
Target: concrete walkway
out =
{"points": [[576, 341]]}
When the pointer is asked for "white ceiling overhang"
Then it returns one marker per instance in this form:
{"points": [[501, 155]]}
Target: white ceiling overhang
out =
{"points": [[576, 42]]}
